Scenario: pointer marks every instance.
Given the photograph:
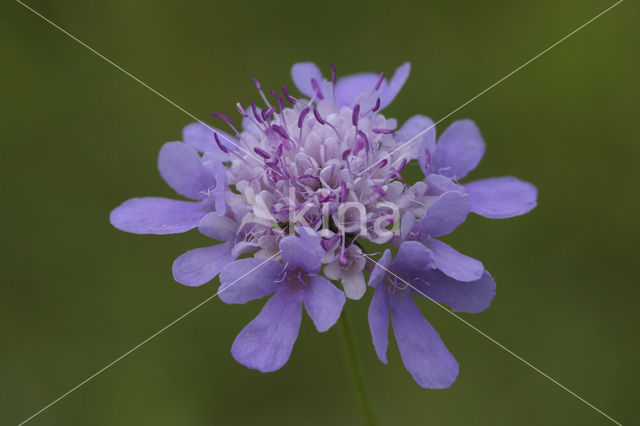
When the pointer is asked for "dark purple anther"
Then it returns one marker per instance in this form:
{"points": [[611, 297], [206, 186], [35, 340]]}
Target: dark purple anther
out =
{"points": [[315, 221], [266, 113], [222, 147], [378, 190], [379, 81], [395, 174], [344, 193], [346, 154], [325, 198], [316, 88], [287, 96], [376, 106], [328, 244], [280, 131], [254, 108], [333, 74], [382, 163], [262, 153], [280, 100], [359, 145], [241, 110], [355, 115], [224, 117], [427, 160], [303, 114], [318, 117], [276, 177], [257, 83], [279, 151], [404, 163], [383, 131], [365, 139]]}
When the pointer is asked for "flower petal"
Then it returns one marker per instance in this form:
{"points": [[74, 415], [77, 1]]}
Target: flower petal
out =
{"points": [[501, 197], [460, 149], [380, 269], [421, 349], [453, 263], [201, 265], [426, 142], [181, 167], [395, 85], [304, 252], [249, 279], [472, 297], [243, 247], [439, 184], [445, 214], [302, 73], [218, 227], [379, 322], [406, 225], [349, 87], [412, 256], [353, 284], [153, 215], [200, 137], [323, 302], [265, 344]]}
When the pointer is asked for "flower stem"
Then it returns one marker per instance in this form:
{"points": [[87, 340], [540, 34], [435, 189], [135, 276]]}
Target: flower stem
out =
{"points": [[356, 371]]}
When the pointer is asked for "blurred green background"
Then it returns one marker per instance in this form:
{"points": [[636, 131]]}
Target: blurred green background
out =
{"points": [[79, 137]]}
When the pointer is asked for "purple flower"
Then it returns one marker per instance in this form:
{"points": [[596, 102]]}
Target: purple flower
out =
{"points": [[421, 348], [265, 344], [302, 184]]}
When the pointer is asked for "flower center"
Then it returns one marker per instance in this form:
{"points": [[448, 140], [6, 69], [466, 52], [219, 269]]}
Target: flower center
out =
{"points": [[311, 163]]}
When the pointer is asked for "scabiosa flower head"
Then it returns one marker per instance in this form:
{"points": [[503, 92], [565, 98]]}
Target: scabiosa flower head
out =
{"points": [[303, 185]]}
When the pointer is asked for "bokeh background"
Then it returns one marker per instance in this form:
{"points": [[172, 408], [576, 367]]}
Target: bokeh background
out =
{"points": [[79, 137]]}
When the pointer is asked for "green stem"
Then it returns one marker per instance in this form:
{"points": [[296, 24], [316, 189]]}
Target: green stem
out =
{"points": [[355, 370]]}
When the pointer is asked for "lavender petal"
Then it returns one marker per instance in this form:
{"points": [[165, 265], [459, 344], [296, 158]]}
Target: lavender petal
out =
{"points": [[265, 344], [501, 197], [422, 351], [201, 265], [323, 302], [153, 215], [459, 150]]}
